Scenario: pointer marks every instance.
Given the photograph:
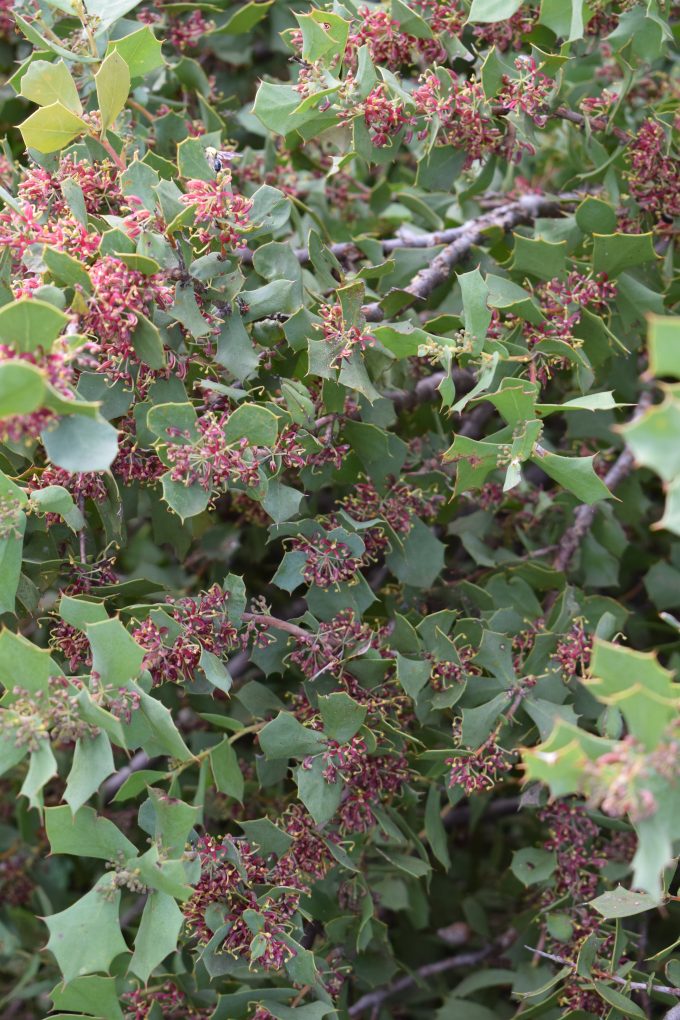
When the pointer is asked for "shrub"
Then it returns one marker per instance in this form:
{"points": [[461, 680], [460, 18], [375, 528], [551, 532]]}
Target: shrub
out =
{"points": [[339, 510]]}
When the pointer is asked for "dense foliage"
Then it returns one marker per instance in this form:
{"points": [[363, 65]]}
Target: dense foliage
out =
{"points": [[339, 509]]}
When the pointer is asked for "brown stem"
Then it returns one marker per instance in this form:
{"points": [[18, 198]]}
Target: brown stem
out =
{"points": [[376, 998], [585, 515]]}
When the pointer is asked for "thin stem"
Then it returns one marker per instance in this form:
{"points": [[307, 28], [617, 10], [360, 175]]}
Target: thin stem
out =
{"points": [[109, 149], [636, 986], [274, 621]]}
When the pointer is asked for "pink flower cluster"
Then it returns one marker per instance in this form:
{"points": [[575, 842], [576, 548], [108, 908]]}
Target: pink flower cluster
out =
{"points": [[342, 338], [388, 45], [334, 641], [119, 294], [212, 462], [461, 113], [226, 213], [82, 486]]}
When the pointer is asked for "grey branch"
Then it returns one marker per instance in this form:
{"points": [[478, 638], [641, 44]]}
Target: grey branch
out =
{"points": [[373, 1000], [635, 986], [585, 515], [459, 241]]}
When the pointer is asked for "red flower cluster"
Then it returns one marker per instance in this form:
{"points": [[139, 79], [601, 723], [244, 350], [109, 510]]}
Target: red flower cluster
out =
{"points": [[205, 625], [216, 204], [171, 1000], [654, 178], [58, 368], [231, 874], [329, 562]]}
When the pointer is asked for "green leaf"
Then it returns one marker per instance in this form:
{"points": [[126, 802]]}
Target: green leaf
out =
{"points": [[531, 865], [86, 938], [42, 768], [226, 770], [27, 324], [157, 934], [80, 445], [22, 388], [141, 51], [51, 128], [94, 994], [55, 499], [342, 716], [619, 1001], [321, 798], [46, 83], [85, 834], [574, 473], [66, 270], [323, 34], [653, 438], [542, 259], [116, 656], [173, 821], [113, 87], [215, 671], [410, 22], [285, 737], [594, 216], [245, 18], [420, 559], [664, 345], [253, 422], [92, 764], [185, 500], [613, 253], [622, 902], [147, 343], [489, 11]]}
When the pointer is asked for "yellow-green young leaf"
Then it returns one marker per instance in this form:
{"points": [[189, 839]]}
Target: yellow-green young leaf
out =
{"points": [[45, 83], [113, 87], [51, 128]]}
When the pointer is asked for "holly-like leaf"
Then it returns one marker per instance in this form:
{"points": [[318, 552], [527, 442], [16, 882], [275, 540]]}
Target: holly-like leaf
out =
{"points": [[85, 938], [113, 87], [51, 128]]}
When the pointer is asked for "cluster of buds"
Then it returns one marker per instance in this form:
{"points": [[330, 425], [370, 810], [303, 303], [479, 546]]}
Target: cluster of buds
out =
{"points": [[10, 516], [573, 651], [16, 884], [132, 464], [443, 16], [307, 855], [171, 1000], [618, 781], [369, 779], [120, 702], [231, 874], [341, 337], [509, 33], [225, 213], [328, 561], [51, 714], [654, 178], [397, 507], [205, 625]]}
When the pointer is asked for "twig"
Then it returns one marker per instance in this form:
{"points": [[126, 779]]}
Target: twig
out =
{"points": [[431, 239], [635, 986], [377, 997], [275, 621], [585, 515], [525, 210]]}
